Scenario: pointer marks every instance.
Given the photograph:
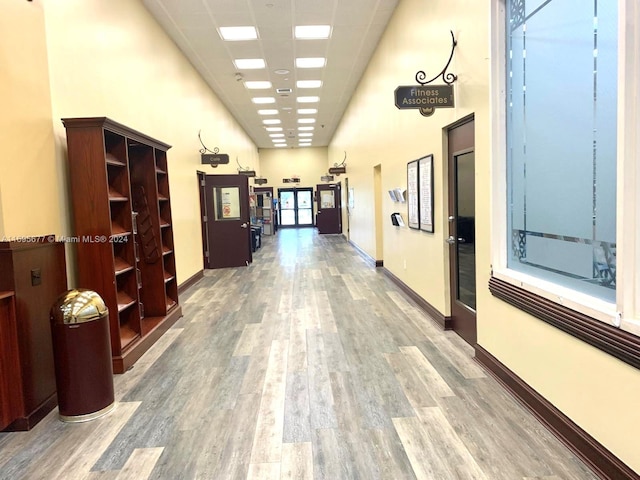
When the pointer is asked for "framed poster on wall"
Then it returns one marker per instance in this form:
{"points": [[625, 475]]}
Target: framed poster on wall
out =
{"points": [[413, 195], [425, 188]]}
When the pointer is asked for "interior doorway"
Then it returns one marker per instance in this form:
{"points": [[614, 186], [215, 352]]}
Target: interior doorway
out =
{"points": [[328, 218], [461, 240], [295, 207], [377, 192], [224, 205]]}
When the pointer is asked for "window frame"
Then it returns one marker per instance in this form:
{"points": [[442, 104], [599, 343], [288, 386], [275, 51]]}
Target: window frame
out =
{"points": [[624, 315]]}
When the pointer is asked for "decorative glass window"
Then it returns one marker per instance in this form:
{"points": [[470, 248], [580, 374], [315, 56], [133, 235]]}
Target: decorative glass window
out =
{"points": [[561, 122]]}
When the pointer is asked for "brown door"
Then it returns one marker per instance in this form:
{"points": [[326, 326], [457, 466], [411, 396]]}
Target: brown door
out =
{"points": [[461, 240], [226, 227], [328, 219]]}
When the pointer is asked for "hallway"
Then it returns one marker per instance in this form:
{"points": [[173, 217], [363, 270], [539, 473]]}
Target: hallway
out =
{"points": [[308, 364]]}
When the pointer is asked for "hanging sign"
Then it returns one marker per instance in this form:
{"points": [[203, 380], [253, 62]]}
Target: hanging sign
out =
{"points": [[214, 159], [247, 173], [424, 96], [337, 170]]}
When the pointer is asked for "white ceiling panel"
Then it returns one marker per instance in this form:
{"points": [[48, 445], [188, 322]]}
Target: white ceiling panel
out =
{"points": [[356, 28]]}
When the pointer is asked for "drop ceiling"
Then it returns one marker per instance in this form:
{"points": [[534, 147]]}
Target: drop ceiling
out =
{"points": [[356, 27]]}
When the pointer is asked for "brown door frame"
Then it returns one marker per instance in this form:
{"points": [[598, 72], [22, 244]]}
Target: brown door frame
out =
{"points": [[337, 210], [207, 220], [460, 140]]}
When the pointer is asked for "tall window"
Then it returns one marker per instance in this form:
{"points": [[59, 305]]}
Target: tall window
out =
{"points": [[561, 112]]}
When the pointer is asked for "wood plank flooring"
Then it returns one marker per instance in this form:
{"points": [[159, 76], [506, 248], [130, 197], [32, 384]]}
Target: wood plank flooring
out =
{"points": [[309, 364]]}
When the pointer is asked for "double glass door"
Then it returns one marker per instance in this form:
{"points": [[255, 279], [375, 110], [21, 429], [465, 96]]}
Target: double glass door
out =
{"points": [[296, 207]]}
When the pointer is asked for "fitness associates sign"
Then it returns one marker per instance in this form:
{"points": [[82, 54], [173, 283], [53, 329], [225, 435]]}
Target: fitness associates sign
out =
{"points": [[426, 98]]}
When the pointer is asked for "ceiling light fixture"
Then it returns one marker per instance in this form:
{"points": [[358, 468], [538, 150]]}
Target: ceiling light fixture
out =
{"points": [[315, 62], [249, 63], [262, 100], [307, 129], [306, 120], [276, 135], [258, 85], [268, 111], [312, 32], [305, 134], [271, 121], [309, 83], [232, 34], [273, 129], [307, 111], [308, 99]]}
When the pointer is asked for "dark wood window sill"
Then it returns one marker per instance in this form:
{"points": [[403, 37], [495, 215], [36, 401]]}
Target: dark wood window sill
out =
{"points": [[622, 345]]}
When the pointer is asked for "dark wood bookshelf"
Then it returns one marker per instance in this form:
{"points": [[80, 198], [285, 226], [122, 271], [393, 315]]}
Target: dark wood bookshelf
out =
{"points": [[120, 191]]}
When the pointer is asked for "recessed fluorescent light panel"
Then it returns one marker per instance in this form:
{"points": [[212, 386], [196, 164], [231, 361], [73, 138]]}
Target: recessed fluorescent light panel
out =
{"points": [[271, 121], [312, 32], [307, 111], [261, 100], [280, 145], [306, 129], [306, 120], [273, 129], [249, 63], [257, 85], [308, 99], [276, 135], [268, 111], [305, 134], [309, 83], [316, 62], [238, 33]]}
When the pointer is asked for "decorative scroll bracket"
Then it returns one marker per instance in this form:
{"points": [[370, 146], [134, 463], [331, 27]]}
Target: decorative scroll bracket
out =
{"points": [[211, 157], [449, 78], [339, 168]]}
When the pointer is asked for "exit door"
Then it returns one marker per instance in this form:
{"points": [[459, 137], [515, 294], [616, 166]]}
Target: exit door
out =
{"points": [[296, 207], [329, 218], [224, 203]]}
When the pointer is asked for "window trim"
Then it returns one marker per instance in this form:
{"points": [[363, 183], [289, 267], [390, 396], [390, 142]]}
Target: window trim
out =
{"points": [[622, 319]]}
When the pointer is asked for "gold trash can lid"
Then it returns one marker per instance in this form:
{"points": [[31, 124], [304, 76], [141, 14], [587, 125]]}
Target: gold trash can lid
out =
{"points": [[78, 306]]}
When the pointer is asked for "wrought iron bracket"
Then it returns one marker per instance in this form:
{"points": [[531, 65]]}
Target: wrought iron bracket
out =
{"points": [[448, 78], [204, 148]]}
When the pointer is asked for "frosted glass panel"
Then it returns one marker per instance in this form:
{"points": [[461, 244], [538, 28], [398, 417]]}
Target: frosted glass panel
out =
{"points": [[606, 61], [561, 141]]}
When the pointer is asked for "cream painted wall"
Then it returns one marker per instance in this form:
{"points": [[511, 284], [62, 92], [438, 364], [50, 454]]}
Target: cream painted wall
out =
{"points": [[595, 390], [112, 59], [307, 163], [28, 186], [373, 131]]}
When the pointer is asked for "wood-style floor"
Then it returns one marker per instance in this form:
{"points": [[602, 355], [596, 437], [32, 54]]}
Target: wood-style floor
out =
{"points": [[308, 364]]}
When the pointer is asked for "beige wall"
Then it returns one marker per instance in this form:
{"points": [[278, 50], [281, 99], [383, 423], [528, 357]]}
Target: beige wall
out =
{"points": [[597, 391], [307, 163], [112, 59], [29, 178]]}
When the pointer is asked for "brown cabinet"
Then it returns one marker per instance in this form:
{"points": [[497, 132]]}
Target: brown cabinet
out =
{"points": [[123, 231], [10, 383], [34, 271]]}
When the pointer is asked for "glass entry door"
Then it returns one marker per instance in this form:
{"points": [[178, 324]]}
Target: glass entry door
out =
{"points": [[296, 207]]}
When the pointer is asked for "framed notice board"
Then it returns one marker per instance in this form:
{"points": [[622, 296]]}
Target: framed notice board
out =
{"points": [[413, 195], [425, 189]]}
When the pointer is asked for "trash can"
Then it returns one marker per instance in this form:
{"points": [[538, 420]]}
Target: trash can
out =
{"points": [[82, 356]]}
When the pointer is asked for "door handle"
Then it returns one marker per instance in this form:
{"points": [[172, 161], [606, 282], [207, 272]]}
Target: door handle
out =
{"points": [[461, 240], [451, 240], [244, 225]]}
